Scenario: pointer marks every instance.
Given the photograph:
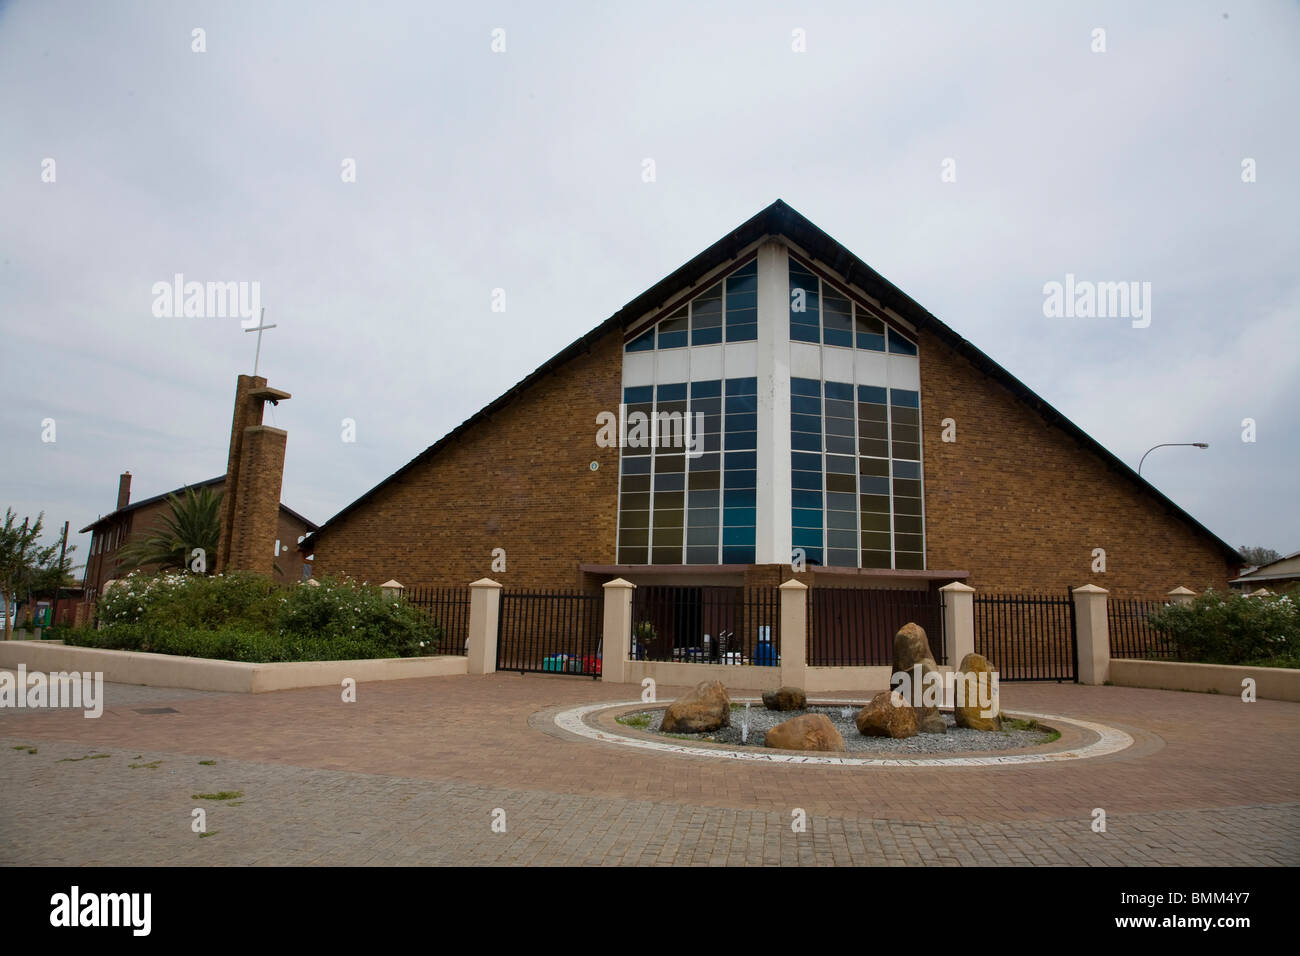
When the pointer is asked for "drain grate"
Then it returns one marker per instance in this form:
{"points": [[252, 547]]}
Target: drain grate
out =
{"points": [[157, 710]]}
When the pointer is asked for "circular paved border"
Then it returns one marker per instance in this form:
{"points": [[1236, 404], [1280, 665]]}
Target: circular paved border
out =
{"points": [[1109, 741]]}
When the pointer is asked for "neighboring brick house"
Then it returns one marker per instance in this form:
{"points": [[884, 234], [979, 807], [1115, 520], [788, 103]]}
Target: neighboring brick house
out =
{"points": [[828, 400], [1276, 576], [111, 533]]}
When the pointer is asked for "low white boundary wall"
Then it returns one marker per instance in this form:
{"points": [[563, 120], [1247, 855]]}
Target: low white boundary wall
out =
{"points": [[1271, 683], [194, 673]]}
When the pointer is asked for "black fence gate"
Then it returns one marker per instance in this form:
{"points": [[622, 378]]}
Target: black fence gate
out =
{"points": [[707, 625], [550, 633], [449, 608], [855, 627], [1028, 636]]}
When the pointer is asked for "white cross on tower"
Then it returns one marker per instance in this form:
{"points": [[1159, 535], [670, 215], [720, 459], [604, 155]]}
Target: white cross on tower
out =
{"points": [[261, 327]]}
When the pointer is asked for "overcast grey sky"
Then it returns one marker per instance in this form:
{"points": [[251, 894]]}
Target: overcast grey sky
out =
{"points": [[522, 170]]}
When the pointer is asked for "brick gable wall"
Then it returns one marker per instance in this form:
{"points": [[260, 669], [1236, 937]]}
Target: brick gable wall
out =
{"points": [[520, 480], [1016, 502], [1021, 504]]}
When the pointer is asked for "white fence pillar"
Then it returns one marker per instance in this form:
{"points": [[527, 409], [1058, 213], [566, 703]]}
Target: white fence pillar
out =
{"points": [[616, 640], [1094, 634], [484, 612], [794, 632], [1181, 595], [958, 621]]}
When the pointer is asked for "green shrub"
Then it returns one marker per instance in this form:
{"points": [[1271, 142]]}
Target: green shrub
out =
{"points": [[244, 617], [1233, 629]]}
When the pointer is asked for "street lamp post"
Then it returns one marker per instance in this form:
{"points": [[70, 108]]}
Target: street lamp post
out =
{"points": [[1172, 444]]}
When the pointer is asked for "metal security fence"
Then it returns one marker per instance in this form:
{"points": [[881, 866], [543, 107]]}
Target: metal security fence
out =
{"points": [[449, 607], [1131, 632], [855, 627], [1028, 637], [706, 625], [552, 633]]}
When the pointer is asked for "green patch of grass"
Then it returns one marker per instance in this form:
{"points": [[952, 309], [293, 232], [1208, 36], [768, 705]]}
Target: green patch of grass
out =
{"points": [[639, 721], [213, 833], [152, 765], [1015, 723], [87, 757], [219, 795], [207, 763], [684, 736], [30, 750], [1052, 736]]}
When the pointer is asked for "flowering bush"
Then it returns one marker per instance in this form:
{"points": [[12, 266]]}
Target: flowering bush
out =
{"points": [[1234, 629], [246, 617]]}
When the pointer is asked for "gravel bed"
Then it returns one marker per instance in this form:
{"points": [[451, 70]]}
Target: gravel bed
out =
{"points": [[956, 740]]}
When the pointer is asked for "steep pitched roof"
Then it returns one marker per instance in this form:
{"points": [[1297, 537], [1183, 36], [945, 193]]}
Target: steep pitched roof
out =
{"points": [[780, 219], [209, 483]]}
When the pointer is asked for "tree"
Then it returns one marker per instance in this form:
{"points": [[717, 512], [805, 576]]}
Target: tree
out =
{"points": [[22, 561], [190, 522], [1258, 556]]}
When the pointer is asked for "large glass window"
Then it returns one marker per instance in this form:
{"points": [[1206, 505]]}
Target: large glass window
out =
{"points": [[740, 470], [856, 497], [823, 314], [728, 308]]}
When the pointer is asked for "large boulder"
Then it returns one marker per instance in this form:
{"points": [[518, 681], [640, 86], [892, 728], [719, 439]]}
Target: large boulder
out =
{"points": [[912, 650], [805, 732], [911, 647], [785, 698], [887, 715], [970, 714], [706, 707]]}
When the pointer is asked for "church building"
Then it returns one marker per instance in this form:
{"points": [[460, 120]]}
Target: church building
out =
{"points": [[774, 405]]}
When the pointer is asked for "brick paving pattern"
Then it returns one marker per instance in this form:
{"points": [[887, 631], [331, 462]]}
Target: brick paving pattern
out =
{"points": [[411, 774]]}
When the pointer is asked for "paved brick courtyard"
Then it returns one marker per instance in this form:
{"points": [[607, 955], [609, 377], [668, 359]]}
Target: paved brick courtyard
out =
{"points": [[412, 772]]}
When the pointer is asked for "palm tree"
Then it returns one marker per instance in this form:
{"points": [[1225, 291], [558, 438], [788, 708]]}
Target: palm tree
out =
{"points": [[193, 522]]}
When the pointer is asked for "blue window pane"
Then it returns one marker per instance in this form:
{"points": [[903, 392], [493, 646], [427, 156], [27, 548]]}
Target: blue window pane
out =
{"points": [[838, 337], [742, 386], [804, 405], [737, 536], [813, 556], [900, 345], [904, 398], [802, 461], [805, 386], [708, 336], [812, 480], [806, 423], [742, 440], [741, 422], [868, 485], [738, 555], [871, 395], [741, 403], [645, 342], [801, 441], [907, 469], [806, 538], [639, 395], [741, 459], [740, 479], [805, 518], [871, 340], [839, 391], [742, 332], [806, 499], [711, 389], [672, 393], [672, 340], [738, 517], [739, 498], [804, 333]]}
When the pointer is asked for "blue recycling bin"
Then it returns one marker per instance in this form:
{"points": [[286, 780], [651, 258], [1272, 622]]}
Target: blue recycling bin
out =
{"points": [[765, 654]]}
